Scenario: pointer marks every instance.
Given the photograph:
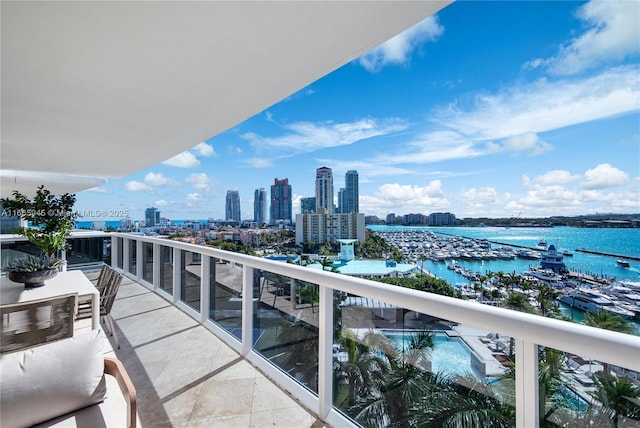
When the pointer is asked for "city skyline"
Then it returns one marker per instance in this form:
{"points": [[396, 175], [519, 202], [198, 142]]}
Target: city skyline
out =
{"points": [[487, 109]]}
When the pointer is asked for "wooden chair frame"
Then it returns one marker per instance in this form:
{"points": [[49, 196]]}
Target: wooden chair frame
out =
{"points": [[23, 326]]}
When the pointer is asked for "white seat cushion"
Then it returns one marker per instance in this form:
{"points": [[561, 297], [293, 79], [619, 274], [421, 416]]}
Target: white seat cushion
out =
{"points": [[52, 379]]}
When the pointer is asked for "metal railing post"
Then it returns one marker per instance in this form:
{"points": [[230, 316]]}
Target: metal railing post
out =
{"points": [[527, 396], [205, 291], [247, 309], [177, 270], [325, 353]]}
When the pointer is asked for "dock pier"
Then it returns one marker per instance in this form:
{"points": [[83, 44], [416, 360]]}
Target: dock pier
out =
{"points": [[599, 253]]}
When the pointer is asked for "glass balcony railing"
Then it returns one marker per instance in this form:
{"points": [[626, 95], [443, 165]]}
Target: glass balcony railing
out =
{"points": [[365, 353], [359, 352]]}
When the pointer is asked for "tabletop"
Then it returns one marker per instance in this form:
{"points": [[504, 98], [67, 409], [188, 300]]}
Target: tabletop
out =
{"points": [[63, 283]]}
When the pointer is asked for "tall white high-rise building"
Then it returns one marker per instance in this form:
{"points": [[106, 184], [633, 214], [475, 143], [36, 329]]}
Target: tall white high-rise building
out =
{"points": [[260, 206], [324, 190], [232, 206]]}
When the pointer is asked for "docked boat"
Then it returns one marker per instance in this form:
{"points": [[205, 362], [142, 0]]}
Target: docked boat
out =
{"points": [[622, 263], [592, 301], [528, 255], [553, 260], [625, 297], [542, 243]]}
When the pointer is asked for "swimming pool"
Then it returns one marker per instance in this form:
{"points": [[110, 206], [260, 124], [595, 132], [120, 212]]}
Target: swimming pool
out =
{"points": [[450, 355]]}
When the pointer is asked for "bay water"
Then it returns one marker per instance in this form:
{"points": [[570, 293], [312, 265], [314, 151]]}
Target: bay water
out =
{"points": [[621, 242]]}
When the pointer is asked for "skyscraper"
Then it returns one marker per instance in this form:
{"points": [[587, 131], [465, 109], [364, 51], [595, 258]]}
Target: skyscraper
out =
{"points": [[324, 190], [260, 206], [281, 203], [232, 207], [351, 193], [308, 205], [151, 217], [341, 204]]}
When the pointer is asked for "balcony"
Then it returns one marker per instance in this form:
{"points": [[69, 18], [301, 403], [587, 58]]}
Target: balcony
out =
{"points": [[186, 376], [250, 319]]}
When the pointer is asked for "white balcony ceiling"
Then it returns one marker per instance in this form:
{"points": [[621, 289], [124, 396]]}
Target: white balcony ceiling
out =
{"points": [[104, 89]]}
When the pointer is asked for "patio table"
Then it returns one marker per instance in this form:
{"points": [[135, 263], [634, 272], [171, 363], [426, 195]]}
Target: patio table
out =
{"points": [[63, 283]]}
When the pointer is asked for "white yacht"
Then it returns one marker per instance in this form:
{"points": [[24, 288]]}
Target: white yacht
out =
{"points": [[625, 297], [592, 301]]}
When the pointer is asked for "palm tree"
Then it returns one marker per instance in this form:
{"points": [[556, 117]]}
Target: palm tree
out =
{"points": [[362, 372], [461, 402], [618, 396], [546, 297], [608, 321], [326, 262], [518, 302], [500, 275], [405, 384], [481, 280]]}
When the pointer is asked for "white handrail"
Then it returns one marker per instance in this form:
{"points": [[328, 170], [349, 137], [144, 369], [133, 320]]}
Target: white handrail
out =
{"points": [[603, 345]]}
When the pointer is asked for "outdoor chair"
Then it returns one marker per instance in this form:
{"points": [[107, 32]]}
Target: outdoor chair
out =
{"points": [[108, 293], [103, 278], [28, 324]]}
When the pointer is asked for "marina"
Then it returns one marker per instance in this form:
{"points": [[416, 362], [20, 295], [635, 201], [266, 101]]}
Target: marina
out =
{"points": [[588, 282]]}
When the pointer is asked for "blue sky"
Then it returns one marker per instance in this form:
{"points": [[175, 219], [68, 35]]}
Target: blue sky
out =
{"points": [[487, 109]]}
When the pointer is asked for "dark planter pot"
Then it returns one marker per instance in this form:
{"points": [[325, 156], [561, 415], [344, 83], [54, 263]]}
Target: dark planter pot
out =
{"points": [[33, 279]]}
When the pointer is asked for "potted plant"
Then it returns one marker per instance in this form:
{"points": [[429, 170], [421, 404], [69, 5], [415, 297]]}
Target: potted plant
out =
{"points": [[53, 220], [33, 271]]}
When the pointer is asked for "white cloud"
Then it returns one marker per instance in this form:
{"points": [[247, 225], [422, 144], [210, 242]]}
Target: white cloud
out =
{"points": [[378, 167], [309, 136], [161, 203], [183, 160], [545, 105], [200, 181], [556, 176], [604, 175], [612, 34], [398, 50], [188, 159], [98, 190], [555, 197], [153, 179], [205, 149], [481, 195], [405, 199], [195, 197], [482, 200], [260, 163], [573, 194], [137, 186], [435, 147], [529, 142]]}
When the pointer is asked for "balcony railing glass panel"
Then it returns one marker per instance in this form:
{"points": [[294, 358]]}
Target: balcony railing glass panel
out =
{"points": [[396, 367], [147, 261], [286, 325], [87, 252], [118, 248], [190, 279], [133, 257], [581, 392], [286, 336], [166, 269], [225, 290]]}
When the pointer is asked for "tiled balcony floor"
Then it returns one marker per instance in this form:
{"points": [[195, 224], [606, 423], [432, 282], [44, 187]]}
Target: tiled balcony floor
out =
{"points": [[186, 377]]}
